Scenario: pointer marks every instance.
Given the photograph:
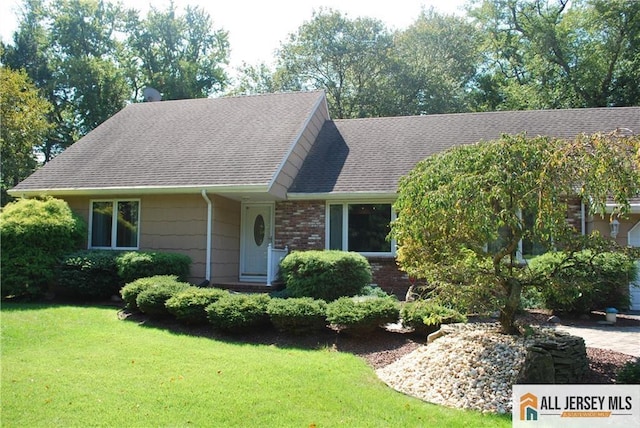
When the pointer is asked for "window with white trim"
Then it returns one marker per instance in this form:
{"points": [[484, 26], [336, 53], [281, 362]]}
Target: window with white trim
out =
{"points": [[362, 227], [114, 224]]}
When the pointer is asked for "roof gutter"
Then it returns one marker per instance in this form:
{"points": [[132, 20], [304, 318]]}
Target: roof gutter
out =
{"points": [[209, 230], [137, 190], [342, 196]]}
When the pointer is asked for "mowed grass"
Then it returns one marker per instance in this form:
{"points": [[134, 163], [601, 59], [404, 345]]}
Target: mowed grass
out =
{"points": [[72, 366]]}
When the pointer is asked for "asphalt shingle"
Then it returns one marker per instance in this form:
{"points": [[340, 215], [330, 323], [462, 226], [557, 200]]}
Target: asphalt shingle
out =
{"points": [[370, 155], [233, 141]]}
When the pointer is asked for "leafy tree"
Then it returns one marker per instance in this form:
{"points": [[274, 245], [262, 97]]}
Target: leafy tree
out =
{"points": [[558, 53], [437, 58], [181, 56], [23, 114], [347, 58], [451, 205]]}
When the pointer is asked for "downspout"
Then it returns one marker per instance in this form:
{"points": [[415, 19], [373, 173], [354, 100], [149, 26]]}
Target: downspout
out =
{"points": [[583, 219], [209, 227]]}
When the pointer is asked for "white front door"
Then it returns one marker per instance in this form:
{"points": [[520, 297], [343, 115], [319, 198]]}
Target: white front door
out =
{"points": [[256, 236]]}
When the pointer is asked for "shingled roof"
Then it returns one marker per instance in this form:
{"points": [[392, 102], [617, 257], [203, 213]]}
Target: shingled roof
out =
{"points": [[222, 142], [370, 155], [226, 144]]}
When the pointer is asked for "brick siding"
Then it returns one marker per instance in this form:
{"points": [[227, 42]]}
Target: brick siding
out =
{"points": [[300, 225]]}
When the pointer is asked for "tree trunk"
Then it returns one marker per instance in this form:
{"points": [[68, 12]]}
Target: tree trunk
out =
{"points": [[508, 312]]}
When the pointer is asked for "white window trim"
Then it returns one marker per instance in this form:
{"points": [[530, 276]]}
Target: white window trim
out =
{"points": [[345, 223], [114, 228]]}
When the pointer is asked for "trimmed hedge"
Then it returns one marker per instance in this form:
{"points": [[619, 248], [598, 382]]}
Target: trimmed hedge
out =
{"points": [[298, 315], [34, 235], [89, 274], [141, 264], [325, 275], [584, 282], [239, 313], [152, 301], [130, 291], [362, 315], [426, 316], [189, 305]]}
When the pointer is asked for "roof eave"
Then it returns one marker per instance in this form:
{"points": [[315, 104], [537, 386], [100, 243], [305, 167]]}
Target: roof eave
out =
{"points": [[138, 190], [342, 196]]}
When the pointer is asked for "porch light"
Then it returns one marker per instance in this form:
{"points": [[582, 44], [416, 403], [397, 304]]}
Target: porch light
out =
{"points": [[614, 226]]}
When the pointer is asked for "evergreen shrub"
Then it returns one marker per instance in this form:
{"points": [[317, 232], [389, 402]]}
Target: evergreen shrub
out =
{"points": [[152, 301], [237, 313], [130, 291], [325, 275], [141, 264], [298, 315], [189, 305], [34, 236], [89, 274], [362, 315], [584, 282], [426, 316]]}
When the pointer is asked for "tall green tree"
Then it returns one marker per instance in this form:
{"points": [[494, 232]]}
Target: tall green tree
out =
{"points": [[179, 55], [23, 114], [558, 53], [451, 205], [348, 58], [438, 56]]}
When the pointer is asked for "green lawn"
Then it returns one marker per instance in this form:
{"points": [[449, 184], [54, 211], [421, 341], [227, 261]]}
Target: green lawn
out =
{"points": [[82, 366]]}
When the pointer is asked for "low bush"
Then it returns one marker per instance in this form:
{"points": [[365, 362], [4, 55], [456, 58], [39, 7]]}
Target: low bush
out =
{"points": [[426, 316], [189, 305], [629, 373], [362, 315], [298, 315], [141, 264], [130, 291], [34, 235], [238, 313], [152, 301], [585, 281], [89, 274], [325, 275]]}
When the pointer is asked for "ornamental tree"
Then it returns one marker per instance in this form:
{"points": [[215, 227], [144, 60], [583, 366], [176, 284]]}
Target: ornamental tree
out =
{"points": [[463, 213]]}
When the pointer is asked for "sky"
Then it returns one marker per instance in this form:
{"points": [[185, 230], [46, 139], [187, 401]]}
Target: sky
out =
{"points": [[257, 27]]}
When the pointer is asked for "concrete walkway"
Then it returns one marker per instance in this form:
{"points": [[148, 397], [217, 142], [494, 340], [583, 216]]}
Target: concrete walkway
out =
{"points": [[620, 339]]}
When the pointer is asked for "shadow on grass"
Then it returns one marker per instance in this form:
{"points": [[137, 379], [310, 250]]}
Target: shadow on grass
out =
{"points": [[373, 347]]}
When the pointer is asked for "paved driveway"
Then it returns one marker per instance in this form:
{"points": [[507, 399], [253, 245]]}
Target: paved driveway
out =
{"points": [[619, 339]]}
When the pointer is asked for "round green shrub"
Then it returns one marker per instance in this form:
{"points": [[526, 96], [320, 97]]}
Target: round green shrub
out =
{"points": [[130, 291], [298, 315], [325, 275], [239, 313], [89, 274], [426, 316], [362, 315], [629, 373], [34, 236], [132, 265], [152, 301], [585, 281], [189, 305]]}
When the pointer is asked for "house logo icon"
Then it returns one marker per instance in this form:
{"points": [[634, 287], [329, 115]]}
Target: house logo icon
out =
{"points": [[528, 407]]}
